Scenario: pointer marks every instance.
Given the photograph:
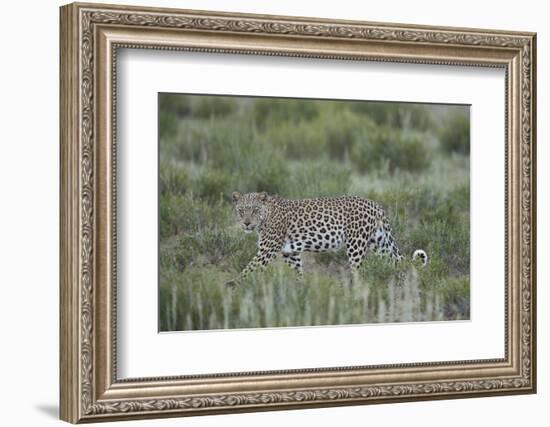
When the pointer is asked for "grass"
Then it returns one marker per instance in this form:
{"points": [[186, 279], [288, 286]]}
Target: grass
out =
{"points": [[396, 154], [273, 298]]}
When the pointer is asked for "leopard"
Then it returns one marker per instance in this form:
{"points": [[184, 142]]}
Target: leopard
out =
{"points": [[290, 227]]}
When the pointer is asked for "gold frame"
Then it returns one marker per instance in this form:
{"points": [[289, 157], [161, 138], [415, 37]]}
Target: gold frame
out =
{"points": [[90, 36]]}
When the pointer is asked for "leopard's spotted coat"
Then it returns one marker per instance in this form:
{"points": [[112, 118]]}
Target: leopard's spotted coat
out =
{"points": [[290, 227]]}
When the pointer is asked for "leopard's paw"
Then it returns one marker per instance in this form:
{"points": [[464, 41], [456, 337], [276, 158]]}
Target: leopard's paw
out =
{"points": [[232, 284]]}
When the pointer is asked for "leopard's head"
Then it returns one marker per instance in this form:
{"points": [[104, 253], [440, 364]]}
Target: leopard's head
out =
{"points": [[251, 209]]}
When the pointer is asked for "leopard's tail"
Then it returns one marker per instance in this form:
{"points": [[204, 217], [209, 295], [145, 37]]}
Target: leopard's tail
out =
{"points": [[383, 238], [422, 255]]}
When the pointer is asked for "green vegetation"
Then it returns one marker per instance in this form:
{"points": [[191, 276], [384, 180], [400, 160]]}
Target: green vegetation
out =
{"points": [[413, 159], [455, 134]]}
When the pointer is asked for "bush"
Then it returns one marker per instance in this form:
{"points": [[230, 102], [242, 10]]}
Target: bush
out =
{"points": [[220, 142], [208, 107], [343, 130], [175, 254], [317, 179], [173, 179], [187, 214], [188, 143], [385, 148], [270, 174], [447, 234], [331, 134], [173, 103], [302, 140], [456, 298], [261, 171], [455, 134], [213, 184], [272, 111], [396, 115], [172, 108], [212, 246]]}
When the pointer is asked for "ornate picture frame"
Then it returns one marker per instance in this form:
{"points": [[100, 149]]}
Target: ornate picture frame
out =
{"points": [[90, 37]]}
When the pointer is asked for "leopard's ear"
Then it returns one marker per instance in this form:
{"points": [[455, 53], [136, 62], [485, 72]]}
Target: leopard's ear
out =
{"points": [[263, 196], [235, 196]]}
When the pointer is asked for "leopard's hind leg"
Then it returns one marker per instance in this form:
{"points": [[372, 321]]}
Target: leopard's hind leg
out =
{"points": [[294, 260], [356, 251], [382, 241]]}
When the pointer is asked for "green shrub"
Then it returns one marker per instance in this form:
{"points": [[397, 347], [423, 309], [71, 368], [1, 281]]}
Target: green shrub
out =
{"points": [[172, 108], [331, 134], [260, 171], [417, 117], [302, 140], [176, 254], [385, 148], [176, 104], [456, 298], [216, 142], [168, 123], [208, 107], [213, 184], [396, 115], [269, 173], [188, 143], [171, 220], [173, 179], [316, 179], [448, 236], [331, 258], [273, 111], [343, 130], [379, 269], [187, 214], [211, 246], [455, 134]]}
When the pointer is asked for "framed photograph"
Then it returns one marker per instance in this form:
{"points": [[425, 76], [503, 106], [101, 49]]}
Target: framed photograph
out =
{"points": [[266, 212]]}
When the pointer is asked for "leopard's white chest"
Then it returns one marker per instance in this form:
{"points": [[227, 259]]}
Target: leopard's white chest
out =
{"points": [[288, 247]]}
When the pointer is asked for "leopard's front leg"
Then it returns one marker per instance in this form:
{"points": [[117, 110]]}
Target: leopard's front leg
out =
{"points": [[269, 246], [261, 259]]}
